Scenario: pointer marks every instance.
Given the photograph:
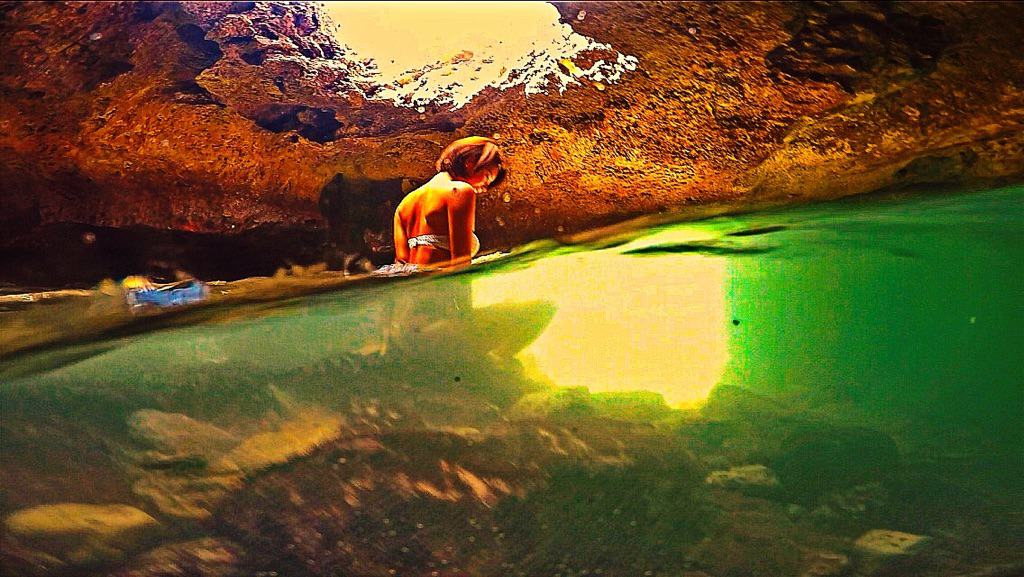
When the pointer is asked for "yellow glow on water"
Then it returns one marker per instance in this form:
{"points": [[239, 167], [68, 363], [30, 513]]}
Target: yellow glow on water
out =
{"points": [[625, 323]]}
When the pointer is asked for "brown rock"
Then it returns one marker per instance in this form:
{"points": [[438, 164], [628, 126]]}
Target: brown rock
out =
{"points": [[261, 108], [209, 557]]}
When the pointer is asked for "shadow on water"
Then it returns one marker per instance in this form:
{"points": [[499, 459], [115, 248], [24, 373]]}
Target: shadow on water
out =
{"points": [[698, 248], [757, 231], [847, 403]]}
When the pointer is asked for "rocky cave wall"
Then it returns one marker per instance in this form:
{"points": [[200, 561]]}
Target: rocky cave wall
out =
{"points": [[197, 135]]}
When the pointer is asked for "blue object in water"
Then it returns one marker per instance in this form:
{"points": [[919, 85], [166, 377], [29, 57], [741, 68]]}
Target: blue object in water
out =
{"points": [[182, 293]]}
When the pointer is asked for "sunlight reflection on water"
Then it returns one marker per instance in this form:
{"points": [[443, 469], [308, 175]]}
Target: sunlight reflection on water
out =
{"points": [[625, 323]]}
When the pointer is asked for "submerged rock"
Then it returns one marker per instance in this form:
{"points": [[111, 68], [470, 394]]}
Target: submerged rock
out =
{"points": [[192, 489], [884, 549], [817, 459], [186, 494], [209, 557], [83, 534], [728, 402], [195, 465], [747, 478], [575, 402], [887, 543], [566, 402], [297, 436], [738, 425], [853, 509], [522, 496], [825, 564], [179, 436]]}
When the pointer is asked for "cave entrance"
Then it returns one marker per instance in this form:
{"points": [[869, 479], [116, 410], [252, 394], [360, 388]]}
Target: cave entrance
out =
{"points": [[445, 53]]}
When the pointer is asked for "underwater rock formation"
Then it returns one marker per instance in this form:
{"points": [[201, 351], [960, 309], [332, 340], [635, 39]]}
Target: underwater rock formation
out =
{"points": [[531, 497], [208, 557], [231, 119], [83, 533], [815, 459], [747, 477]]}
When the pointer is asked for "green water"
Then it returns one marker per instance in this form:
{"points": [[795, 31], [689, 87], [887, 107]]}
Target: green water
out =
{"points": [[748, 395]]}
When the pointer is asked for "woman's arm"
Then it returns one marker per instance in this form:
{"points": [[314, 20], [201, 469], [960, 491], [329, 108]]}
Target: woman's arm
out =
{"points": [[401, 241], [461, 222]]}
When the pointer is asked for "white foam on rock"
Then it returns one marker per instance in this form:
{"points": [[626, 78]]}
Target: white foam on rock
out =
{"points": [[445, 53]]}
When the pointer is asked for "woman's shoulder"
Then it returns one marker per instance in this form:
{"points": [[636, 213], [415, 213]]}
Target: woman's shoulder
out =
{"points": [[460, 191], [445, 190]]}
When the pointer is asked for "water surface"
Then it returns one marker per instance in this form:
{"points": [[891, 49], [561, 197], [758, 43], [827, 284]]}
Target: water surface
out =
{"points": [[748, 395]]}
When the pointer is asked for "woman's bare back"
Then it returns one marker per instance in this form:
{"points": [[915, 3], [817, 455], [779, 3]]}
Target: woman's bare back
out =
{"points": [[429, 210]]}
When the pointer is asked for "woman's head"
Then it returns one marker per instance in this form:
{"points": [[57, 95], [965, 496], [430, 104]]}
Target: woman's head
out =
{"points": [[475, 160]]}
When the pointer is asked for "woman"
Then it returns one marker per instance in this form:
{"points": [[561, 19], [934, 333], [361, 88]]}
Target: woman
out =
{"points": [[434, 228], [434, 224]]}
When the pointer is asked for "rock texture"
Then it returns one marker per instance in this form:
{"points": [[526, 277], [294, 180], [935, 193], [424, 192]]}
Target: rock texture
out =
{"points": [[604, 497], [208, 557], [83, 534], [234, 119]]}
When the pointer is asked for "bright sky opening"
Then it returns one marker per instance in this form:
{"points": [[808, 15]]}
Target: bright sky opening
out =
{"points": [[447, 52]]}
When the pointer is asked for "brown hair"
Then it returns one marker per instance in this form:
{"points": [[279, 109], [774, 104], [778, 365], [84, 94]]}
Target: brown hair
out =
{"points": [[468, 155]]}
